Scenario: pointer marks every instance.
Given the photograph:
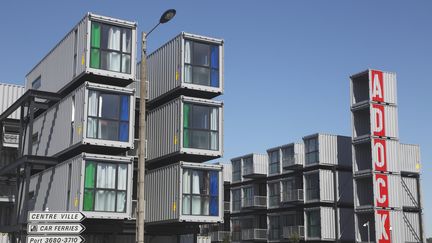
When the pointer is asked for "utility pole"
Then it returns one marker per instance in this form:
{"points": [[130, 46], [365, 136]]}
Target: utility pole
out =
{"points": [[142, 138]]}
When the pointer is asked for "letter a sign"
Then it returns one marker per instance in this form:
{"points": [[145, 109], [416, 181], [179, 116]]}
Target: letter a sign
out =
{"points": [[377, 85]]}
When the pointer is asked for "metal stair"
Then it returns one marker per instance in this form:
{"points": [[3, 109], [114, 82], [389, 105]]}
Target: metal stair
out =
{"points": [[411, 228], [410, 195]]}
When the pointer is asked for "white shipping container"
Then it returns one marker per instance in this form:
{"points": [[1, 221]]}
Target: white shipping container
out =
{"points": [[373, 85], [97, 46], [9, 93], [327, 149], [326, 221], [375, 120], [383, 224], [189, 64], [186, 128], [409, 157], [376, 154], [94, 114], [177, 203], [74, 185]]}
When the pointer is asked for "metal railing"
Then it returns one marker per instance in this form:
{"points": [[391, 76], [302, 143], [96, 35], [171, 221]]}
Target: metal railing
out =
{"points": [[410, 195], [293, 231], [227, 206], [255, 201], [293, 195], [220, 236], [254, 234]]}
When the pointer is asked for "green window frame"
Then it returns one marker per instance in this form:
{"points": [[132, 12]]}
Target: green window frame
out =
{"points": [[101, 193], [111, 47]]}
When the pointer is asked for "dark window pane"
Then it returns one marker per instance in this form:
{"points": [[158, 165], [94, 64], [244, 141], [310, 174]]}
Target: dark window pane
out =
{"points": [[108, 130], [201, 75], [200, 117], [124, 132], [214, 82], [110, 106], [199, 139], [110, 37], [201, 54], [214, 57], [214, 209], [124, 113], [214, 183]]}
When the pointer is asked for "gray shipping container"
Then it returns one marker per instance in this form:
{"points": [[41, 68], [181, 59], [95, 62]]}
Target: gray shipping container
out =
{"points": [[327, 186], [73, 186], [362, 87], [331, 149], [9, 93], [173, 203], [367, 190], [368, 121], [96, 46], [186, 128], [370, 151], [86, 117], [411, 227], [189, 65], [409, 158], [327, 223], [395, 220]]}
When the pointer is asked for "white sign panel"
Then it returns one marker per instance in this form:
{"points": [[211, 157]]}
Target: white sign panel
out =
{"points": [[55, 217], [55, 239], [55, 228]]}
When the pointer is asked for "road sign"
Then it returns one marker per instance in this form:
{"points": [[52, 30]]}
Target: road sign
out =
{"points": [[56, 239], [55, 228], [55, 217]]}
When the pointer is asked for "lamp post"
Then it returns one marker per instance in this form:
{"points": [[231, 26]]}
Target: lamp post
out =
{"points": [[166, 16], [368, 228]]}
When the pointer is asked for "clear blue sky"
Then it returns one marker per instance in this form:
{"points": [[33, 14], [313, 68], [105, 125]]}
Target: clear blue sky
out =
{"points": [[287, 63]]}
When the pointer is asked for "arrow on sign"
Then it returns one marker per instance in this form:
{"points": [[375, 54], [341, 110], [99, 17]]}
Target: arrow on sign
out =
{"points": [[55, 228], [59, 239], [55, 217]]}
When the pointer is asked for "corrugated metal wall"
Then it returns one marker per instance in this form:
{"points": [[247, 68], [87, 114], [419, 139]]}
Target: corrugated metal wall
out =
{"points": [[299, 152], [362, 83], [53, 127], [411, 222], [164, 67], [164, 206], [390, 117], [334, 150], [227, 172], [56, 68], [394, 188], [409, 158], [390, 87], [409, 192], [9, 93], [346, 224], [260, 163], [396, 223], [328, 224], [163, 130], [345, 187], [391, 148], [326, 184]]}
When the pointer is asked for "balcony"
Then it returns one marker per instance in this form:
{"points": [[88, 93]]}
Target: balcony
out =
{"points": [[254, 234], [292, 162], [236, 236], [227, 206], [289, 232], [295, 195], [255, 202], [220, 236]]}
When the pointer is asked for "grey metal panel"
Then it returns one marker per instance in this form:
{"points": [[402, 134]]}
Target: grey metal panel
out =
{"points": [[166, 207], [410, 192], [346, 224], [53, 127], [390, 87], [390, 117], [260, 164], [396, 223], [165, 129], [411, 223], [409, 158], [328, 224], [327, 145], [363, 192], [392, 147], [9, 93], [326, 184], [166, 67], [345, 187], [394, 187], [56, 69]]}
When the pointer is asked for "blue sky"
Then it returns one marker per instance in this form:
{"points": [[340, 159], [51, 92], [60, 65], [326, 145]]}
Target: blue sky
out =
{"points": [[287, 63]]}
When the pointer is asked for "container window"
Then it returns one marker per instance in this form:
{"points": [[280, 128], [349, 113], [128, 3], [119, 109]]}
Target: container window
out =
{"points": [[236, 200], [108, 116], [201, 63], [37, 83], [274, 163], [111, 48], [236, 170], [313, 224], [105, 187], [311, 151], [312, 186], [200, 192], [274, 194], [201, 127], [248, 167]]}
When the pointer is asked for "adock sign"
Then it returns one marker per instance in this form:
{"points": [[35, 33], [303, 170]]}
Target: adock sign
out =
{"points": [[55, 217], [383, 226], [377, 85]]}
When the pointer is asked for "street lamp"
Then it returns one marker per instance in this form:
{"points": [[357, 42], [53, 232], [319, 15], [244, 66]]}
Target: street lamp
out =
{"points": [[166, 16], [368, 228]]}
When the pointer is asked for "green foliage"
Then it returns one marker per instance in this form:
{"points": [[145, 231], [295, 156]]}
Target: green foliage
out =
{"points": [[295, 238]]}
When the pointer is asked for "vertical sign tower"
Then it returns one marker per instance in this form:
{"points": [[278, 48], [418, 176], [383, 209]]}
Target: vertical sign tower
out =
{"points": [[378, 215]]}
